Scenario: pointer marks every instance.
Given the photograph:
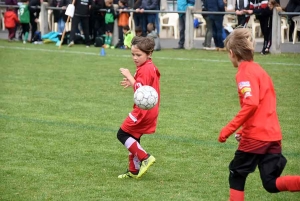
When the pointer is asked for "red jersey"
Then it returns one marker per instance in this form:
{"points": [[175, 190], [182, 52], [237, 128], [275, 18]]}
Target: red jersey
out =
{"points": [[141, 121], [258, 116]]}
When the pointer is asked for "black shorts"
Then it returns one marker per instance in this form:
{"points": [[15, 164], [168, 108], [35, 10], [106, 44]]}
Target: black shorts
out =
{"points": [[270, 167], [25, 27], [109, 27]]}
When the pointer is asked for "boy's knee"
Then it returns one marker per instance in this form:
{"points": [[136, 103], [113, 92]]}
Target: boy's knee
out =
{"points": [[271, 186]]}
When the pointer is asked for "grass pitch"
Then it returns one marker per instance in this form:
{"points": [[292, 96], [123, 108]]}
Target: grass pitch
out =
{"points": [[60, 111]]}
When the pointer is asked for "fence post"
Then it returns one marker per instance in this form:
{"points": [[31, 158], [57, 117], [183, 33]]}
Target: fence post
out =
{"points": [[189, 28], [44, 18], [115, 36], [276, 33]]}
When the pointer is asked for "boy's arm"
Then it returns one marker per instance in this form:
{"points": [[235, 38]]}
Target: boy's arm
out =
{"points": [[248, 88]]}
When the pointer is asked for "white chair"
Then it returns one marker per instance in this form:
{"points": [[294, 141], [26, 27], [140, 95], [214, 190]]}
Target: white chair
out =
{"points": [[202, 26], [2, 19], [254, 25], [230, 20], [170, 20], [284, 29], [297, 27]]}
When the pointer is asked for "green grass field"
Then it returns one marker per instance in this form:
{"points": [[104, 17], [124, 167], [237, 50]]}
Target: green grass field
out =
{"points": [[60, 111]]}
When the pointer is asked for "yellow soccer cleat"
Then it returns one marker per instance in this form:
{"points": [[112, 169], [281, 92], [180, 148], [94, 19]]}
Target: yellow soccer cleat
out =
{"points": [[145, 165], [127, 175]]}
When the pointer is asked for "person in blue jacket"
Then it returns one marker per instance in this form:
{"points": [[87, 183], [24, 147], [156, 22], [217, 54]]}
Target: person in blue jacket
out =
{"points": [[182, 6]]}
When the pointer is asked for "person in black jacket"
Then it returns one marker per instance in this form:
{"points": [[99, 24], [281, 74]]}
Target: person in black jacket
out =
{"points": [[81, 15], [240, 6], [97, 23], [292, 6], [34, 12]]}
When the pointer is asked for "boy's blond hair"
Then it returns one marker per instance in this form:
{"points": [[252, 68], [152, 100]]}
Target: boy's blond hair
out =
{"points": [[241, 43], [145, 44]]}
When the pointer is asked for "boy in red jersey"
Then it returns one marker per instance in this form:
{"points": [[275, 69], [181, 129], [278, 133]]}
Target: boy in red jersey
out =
{"points": [[139, 121], [260, 136]]}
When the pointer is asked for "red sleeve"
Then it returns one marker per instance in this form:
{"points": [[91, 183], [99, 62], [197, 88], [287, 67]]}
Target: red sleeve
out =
{"points": [[248, 89]]}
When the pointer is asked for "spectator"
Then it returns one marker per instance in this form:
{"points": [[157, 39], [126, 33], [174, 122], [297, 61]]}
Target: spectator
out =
{"points": [[208, 33], [97, 22], [152, 34], [138, 31], [123, 20], [109, 23], [24, 19], [34, 13], [138, 17], [182, 6], [128, 36], [240, 6], [10, 21], [59, 15], [292, 6], [264, 15], [13, 3], [217, 21], [148, 17], [81, 15]]}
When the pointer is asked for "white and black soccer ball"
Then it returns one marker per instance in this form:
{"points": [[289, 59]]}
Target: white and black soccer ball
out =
{"points": [[145, 97]]}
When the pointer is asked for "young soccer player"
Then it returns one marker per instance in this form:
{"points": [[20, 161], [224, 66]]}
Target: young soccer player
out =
{"points": [[24, 19], [139, 121], [260, 135]]}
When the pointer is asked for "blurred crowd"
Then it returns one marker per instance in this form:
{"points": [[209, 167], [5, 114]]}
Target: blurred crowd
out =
{"points": [[94, 20]]}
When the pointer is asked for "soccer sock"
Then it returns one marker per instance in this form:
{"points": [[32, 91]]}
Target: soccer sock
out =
{"points": [[106, 40], [288, 183], [135, 148], [26, 36], [134, 163], [236, 195], [109, 40]]}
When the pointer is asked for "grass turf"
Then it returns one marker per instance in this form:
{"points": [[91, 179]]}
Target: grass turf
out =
{"points": [[60, 111]]}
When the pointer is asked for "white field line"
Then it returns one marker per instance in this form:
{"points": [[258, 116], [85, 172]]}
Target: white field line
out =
{"points": [[112, 55]]}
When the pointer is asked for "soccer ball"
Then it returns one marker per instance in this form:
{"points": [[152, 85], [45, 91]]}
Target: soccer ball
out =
{"points": [[145, 97]]}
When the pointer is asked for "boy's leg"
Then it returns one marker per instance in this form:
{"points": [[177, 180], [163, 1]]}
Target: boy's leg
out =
{"points": [[10, 33], [134, 147], [85, 28], [288, 183], [242, 164], [271, 167]]}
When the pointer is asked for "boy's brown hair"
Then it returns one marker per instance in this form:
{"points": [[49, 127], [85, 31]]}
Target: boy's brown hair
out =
{"points": [[145, 44], [241, 43]]}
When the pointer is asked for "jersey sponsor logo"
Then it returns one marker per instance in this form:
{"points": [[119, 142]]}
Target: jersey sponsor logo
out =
{"points": [[244, 84], [245, 89], [247, 94]]}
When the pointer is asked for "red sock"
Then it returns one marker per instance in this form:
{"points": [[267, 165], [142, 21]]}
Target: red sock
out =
{"points": [[236, 195], [134, 163], [135, 148], [288, 183]]}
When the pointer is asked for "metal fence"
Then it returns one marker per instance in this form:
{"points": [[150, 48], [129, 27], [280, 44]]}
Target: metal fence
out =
{"points": [[189, 25]]}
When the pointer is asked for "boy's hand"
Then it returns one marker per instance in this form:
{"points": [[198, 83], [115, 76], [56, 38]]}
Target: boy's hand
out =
{"points": [[125, 72], [224, 134], [125, 83], [238, 137]]}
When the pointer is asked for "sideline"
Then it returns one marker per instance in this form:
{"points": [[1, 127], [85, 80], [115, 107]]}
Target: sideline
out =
{"points": [[164, 58]]}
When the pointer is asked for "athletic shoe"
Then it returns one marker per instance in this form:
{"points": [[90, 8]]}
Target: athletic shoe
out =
{"points": [[127, 175], [24, 42], [71, 44], [145, 164]]}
